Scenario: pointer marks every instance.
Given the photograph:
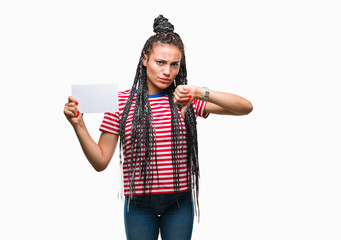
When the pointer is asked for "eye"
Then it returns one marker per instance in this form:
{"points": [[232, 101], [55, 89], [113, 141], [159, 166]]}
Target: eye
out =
{"points": [[159, 62], [175, 65]]}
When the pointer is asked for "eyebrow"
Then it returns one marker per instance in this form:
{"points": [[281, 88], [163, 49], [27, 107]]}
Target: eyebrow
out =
{"points": [[161, 59]]}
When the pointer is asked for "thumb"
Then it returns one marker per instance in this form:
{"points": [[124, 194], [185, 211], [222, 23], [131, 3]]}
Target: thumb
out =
{"points": [[184, 109], [73, 99]]}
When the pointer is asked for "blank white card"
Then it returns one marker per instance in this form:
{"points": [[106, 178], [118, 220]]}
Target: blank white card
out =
{"points": [[96, 98]]}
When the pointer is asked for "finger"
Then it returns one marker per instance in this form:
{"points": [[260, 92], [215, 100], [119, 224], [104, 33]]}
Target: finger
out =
{"points": [[71, 105], [184, 108], [77, 114], [68, 113], [186, 88], [181, 90], [176, 95], [183, 111], [186, 103], [73, 99], [73, 109], [182, 97]]}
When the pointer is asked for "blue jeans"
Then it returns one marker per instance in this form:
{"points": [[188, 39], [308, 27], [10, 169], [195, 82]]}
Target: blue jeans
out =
{"points": [[145, 217]]}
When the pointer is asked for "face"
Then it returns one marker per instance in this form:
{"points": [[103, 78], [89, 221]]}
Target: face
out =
{"points": [[162, 66]]}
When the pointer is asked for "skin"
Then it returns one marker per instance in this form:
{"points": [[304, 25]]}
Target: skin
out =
{"points": [[162, 66]]}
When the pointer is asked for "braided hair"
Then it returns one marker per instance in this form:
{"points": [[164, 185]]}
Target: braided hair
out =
{"points": [[143, 138]]}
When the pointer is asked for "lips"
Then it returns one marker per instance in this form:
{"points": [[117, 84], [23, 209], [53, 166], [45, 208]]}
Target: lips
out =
{"points": [[164, 80]]}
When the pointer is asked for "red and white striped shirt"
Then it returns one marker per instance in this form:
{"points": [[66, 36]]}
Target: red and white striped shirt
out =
{"points": [[162, 121]]}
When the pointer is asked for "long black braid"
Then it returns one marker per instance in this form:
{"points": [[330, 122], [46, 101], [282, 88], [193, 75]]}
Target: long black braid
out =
{"points": [[143, 138]]}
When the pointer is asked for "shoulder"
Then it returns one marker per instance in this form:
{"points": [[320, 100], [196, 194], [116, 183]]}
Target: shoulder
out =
{"points": [[122, 99], [123, 95]]}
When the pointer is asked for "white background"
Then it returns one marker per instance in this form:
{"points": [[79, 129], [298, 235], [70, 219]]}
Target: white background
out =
{"points": [[274, 174]]}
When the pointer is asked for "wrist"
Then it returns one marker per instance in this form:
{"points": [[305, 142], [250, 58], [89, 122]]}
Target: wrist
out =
{"points": [[78, 126], [206, 94], [200, 93]]}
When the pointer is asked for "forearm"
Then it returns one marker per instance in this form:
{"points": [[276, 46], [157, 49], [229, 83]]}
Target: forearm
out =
{"points": [[99, 155], [228, 103], [90, 148], [218, 102]]}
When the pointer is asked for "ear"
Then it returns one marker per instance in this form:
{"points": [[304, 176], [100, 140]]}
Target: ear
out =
{"points": [[144, 61]]}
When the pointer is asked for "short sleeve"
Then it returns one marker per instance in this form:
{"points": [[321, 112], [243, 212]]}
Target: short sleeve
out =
{"points": [[199, 108], [111, 123]]}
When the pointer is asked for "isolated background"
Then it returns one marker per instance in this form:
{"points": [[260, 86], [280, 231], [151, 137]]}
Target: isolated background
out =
{"points": [[274, 174]]}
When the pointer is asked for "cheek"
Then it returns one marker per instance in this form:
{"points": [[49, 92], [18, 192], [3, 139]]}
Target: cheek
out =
{"points": [[153, 70], [175, 72]]}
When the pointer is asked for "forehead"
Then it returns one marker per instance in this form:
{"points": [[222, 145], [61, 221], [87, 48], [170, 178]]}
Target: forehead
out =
{"points": [[166, 52]]}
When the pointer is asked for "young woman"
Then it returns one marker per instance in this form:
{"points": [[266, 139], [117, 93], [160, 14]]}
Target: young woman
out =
{"points": [[156, 127]]}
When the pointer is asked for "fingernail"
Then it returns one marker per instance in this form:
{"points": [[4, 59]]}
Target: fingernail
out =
{"points": [[189, 95], [76, 103], [185, 102], [78, 112], [188, 99]]}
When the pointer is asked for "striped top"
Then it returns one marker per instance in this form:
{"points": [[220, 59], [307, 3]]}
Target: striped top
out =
{"points": [[162, 120]]}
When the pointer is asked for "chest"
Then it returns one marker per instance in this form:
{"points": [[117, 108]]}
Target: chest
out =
{"points": [[161, 117]]}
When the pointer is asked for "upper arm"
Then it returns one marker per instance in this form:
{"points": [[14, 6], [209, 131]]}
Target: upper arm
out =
{"points": [[107, 143]]}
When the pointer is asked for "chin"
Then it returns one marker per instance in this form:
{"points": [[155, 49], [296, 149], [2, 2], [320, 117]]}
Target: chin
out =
{"points": [[164, 86]]}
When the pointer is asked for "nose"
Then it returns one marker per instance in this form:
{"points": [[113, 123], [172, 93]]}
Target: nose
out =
{"points": [[167, 70]]}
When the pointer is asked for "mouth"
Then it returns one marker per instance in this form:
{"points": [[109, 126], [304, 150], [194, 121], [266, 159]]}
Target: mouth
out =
{"points": [[164, 80]]}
